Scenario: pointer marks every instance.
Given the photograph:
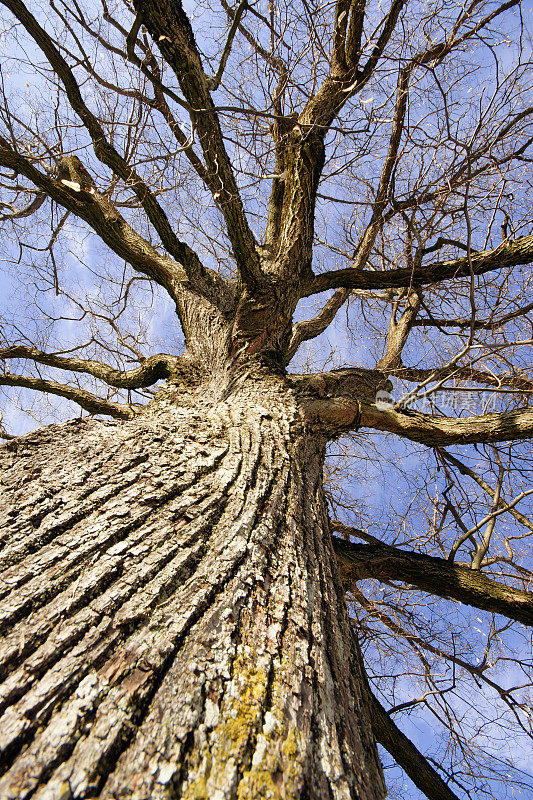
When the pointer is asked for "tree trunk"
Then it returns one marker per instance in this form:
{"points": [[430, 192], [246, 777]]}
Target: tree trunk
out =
{"points": [[173, 623]]}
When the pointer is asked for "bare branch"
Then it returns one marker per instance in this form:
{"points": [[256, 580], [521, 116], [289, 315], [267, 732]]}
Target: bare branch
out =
{"points": [[310, 328], [214, 82], [93, 207], [384, 37], [88, 401], [398, 333], [147, 373], [508, 254], [466, 373], [404, 752], [466, 470], [170, 28], [443, 431], [340, 414], [484, 324], [369, 237], [275, 62], [17, 213], [431, 574], [103, 149], [489, 520]]}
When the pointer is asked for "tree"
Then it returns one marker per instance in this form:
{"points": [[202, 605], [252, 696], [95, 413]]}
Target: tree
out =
{"points": [[174, 602]]}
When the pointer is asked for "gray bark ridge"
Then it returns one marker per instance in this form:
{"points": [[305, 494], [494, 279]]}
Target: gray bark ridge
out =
{"points": [[172, 621]]}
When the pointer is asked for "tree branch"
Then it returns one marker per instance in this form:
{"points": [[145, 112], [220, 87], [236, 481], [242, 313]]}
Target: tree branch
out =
{"points": [[310, 328], [355, 31], [304, 152], [404, 752], [103, 149], [30, 209], [93, 207], [214, 82], [508, 254], [350, 383], [419, 643], [88, 401], [281, 125], [366, 243], [344, 79], [170, 28], [383, 39], [443, 431], [465, 373], [398, 333], [465, 470], [464, 174], [431, 574], [345, 399], [305, 163], [484, 324], [147, 373]]}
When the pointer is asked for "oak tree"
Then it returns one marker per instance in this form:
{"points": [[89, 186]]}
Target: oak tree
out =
{"points": [[197, 202]]}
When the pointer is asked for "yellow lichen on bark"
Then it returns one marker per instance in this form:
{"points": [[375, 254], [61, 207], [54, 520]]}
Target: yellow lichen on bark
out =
{"points": [[275, 770], [277, 773]]}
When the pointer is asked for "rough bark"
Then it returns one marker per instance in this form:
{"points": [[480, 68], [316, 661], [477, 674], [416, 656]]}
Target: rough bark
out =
{"points": [[172, 621]]}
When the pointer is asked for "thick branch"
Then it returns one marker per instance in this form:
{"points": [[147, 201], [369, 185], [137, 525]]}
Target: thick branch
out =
{"points": [[350, 384], [434, 575], [113, 229], [398, 334], [508, 254], [30, 209], [344, 400], [88, 401], [404, 752], [345, 80], [305, 152], [355, 31], [146, 374], [103, 149], [443, 431], [170, 28]]}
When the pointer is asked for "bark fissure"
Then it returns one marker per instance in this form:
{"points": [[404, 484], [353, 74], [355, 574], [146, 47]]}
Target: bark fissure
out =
{"points": [[38, 591]]}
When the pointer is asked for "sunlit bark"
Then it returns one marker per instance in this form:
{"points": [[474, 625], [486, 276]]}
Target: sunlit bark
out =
{"points": [[172, 618]]}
